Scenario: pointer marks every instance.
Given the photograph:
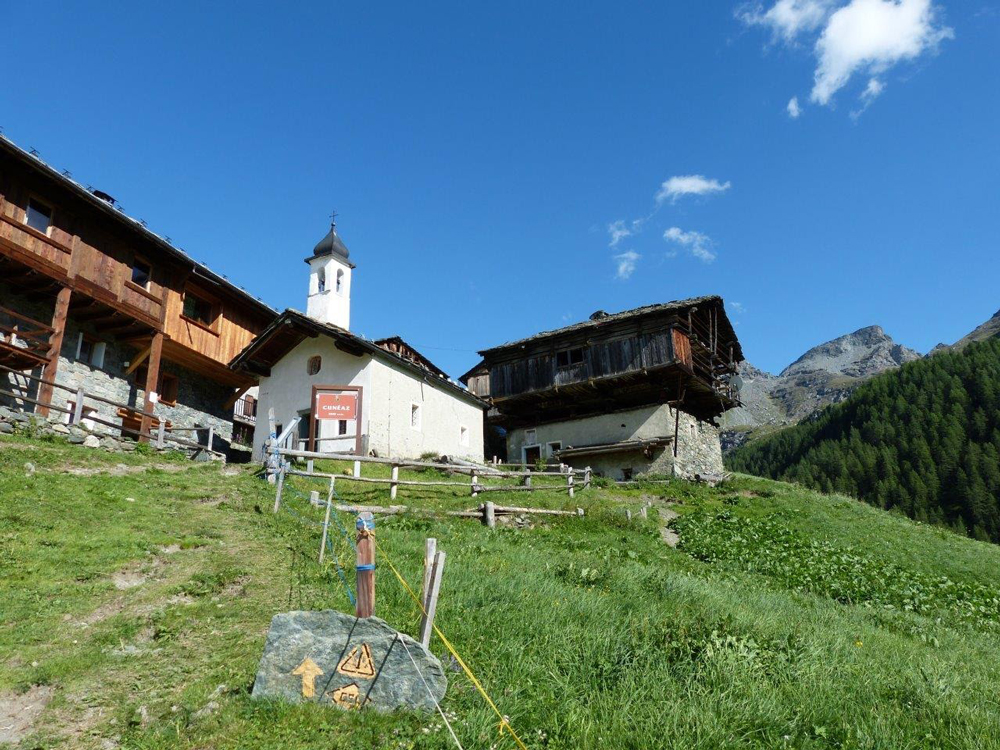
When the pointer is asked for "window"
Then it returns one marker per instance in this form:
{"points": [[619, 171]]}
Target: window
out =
{"points": [[38, 216], [167, 388], [529, 437], [90, 351], [569, 357], [554, 448], [141, 273], [340, 281], [320, 281], [198, 309], [342, 427], [463, 435], [314, 364], [415, 416]]}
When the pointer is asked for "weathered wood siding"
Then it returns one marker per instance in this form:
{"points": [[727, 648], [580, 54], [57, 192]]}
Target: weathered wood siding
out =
{"points": [[600, 359]]}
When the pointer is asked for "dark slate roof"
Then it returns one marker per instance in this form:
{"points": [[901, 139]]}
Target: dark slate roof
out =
{"points": [[601, 318], [299, 326], [331, 245], [113, 210]]}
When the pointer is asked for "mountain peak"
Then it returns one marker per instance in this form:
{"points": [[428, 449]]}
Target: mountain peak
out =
{"points": [[861, 354]]}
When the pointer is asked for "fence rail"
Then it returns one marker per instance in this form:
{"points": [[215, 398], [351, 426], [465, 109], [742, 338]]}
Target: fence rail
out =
{"points": [[81, 413]]}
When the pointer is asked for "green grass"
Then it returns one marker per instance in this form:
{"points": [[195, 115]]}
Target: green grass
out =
{"points": [[785, 618]]}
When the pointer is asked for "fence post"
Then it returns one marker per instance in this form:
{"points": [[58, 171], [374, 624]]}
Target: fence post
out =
{"points": [[628, 515], [569, 483], [309, 466], [365, 565], [427, 618], [326, 525], [211, 436], [78, 406], [394, 487], [357, 469], [161, 433], [430, 547], [475, 481], [489, 514], [586, 478], [527, 477], [281, 484], [270, 444], [314, 498]]}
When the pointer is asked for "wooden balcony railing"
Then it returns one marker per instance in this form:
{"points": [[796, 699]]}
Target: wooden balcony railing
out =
{"points": [[24, 336], [246, 409]]}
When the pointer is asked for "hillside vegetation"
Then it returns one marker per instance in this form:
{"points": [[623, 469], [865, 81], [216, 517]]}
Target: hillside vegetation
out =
{"points": [[134, 602], [924, 439]]}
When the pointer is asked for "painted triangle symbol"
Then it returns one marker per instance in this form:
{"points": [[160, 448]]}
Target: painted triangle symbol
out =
{"points": [[358, 663]]}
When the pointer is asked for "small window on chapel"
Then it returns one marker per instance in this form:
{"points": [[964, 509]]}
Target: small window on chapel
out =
{"points": [[340, 281], [321, 281], [314, 364], [38, 216]]}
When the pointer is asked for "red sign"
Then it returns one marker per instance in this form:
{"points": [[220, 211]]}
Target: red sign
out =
{"points": [[336, 406]]}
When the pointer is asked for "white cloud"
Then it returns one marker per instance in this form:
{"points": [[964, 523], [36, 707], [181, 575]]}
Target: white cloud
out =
{"points": [[627, 262], [620, 230], [871, 36], [794, 110], [788, 18], [737, 307], [699, 245], [692, 184]]}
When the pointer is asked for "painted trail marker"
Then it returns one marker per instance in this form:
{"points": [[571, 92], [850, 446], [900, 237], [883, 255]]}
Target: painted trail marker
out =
{"points": [[345, 661]]}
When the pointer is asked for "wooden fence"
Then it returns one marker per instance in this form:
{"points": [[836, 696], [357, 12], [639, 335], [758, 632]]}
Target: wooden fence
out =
{"points": [[80, 413]]}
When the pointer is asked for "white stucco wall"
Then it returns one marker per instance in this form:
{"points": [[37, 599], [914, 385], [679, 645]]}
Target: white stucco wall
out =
{"points": [[330, 305], [289, 388], [388, 394], [442, 417], [699, 450]]}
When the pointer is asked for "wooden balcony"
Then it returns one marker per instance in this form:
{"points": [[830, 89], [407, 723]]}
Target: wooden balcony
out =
{"points": [[24, 342]]}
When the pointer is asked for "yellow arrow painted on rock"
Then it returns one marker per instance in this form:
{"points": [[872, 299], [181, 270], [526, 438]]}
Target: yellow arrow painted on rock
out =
{"points": [[309, 671]]}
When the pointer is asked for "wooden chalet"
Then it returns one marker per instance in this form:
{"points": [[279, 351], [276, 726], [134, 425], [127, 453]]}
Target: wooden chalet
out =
{"points": [[68, 254], [682, 353]]}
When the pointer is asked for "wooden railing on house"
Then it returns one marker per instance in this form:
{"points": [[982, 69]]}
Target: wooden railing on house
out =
{"points": [[79, 412], [246, 409], [22, 337]]}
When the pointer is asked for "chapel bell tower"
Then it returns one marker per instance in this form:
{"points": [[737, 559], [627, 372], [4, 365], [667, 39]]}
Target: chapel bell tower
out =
{"points": [[330, 281]]}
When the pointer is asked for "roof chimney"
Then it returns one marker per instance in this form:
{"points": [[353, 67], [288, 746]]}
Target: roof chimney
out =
{"points": [[599, 315]]}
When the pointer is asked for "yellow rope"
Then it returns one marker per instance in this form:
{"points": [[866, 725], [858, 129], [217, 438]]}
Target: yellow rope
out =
{"points": [[503, 719]]}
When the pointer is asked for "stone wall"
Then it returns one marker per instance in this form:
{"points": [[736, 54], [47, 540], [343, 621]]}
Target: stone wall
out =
{"points": [[200, 401]]}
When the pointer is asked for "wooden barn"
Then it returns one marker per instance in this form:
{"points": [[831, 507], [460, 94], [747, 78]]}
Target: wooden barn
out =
{"points": [[626, 393]]}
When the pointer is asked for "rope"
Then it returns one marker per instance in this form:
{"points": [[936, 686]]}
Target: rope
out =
{"points": [[427, 687], [504, 724]]}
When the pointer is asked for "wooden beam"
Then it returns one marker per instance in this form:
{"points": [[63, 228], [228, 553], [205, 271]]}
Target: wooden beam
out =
{"points": [[152, 377], [55, 346], [231, 401], [134, 364]]}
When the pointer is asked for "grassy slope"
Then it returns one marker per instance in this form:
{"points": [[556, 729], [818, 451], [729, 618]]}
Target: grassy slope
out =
{"points": [[589, 633]]}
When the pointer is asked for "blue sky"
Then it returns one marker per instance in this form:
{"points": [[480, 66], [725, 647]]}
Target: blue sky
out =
{"points": [[478, 155]]}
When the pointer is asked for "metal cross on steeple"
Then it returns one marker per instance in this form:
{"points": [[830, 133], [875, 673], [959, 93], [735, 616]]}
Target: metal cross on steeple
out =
{"points": [[333, 220]]}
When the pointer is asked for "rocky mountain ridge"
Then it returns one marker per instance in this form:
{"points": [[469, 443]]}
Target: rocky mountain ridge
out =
{"points": [[987, 330], [826, 374]]}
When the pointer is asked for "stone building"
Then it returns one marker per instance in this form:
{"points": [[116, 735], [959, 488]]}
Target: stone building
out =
{"points": [[353, 395], [91, 299], [626, 393]]}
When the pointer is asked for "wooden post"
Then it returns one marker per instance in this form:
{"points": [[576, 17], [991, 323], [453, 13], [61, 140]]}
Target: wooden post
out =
{"points": [[271, 460], [211, 436], [161, 434], [326, 522], [281, 484], [489, 514], [430, 547], [365, 565], [310, 466], [628, 515], [152, 378], [586, 478], [475, 481], [527, 477], [357, 468], [569, 483], [394, 487], [314, 498], [643, 512], [78, 406], [427, 618], [55, 347]]}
